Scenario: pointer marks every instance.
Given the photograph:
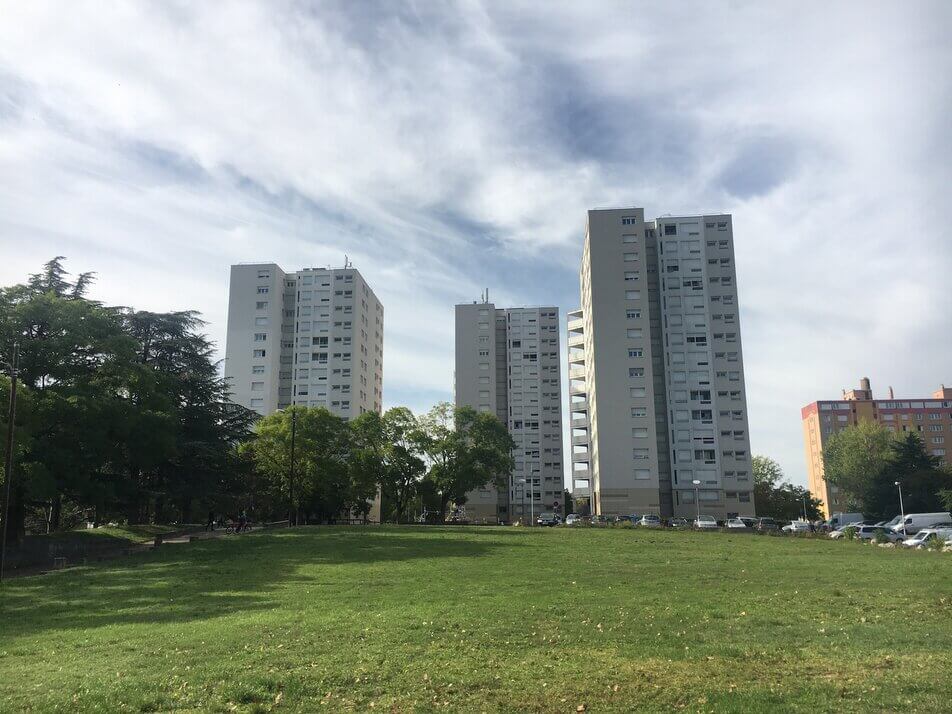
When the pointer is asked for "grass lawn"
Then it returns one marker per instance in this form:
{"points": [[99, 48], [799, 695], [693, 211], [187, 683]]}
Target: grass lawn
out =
{"points": [[143, 533], [489, 619]]}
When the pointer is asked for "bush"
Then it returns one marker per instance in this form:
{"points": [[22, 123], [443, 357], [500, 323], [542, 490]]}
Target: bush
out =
{"points": [[849, 533], [880, 536], [933, 542]]}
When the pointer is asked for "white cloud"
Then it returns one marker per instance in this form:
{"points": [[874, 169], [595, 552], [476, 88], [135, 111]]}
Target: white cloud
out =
{"points": [[445, 149]]}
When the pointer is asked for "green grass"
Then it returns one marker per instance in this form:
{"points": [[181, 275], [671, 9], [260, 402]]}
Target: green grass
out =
{"points": [[490, 619], [143, 533]]}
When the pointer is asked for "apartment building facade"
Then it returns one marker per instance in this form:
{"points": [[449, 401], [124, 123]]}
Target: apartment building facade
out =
{"points": [[508, 364], [656, 382], [313, 338], [931, 418]]}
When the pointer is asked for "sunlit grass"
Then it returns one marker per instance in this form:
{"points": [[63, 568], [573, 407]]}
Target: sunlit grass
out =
{"points": [[492, 619]]}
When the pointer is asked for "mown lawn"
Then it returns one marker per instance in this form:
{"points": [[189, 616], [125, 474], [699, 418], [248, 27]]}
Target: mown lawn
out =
{"points": [[491, 619]]}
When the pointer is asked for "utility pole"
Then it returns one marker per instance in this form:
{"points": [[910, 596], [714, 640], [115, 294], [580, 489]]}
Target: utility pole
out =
{"points": [[292, 512], [697, 503], [8, 461], [902, 511]]}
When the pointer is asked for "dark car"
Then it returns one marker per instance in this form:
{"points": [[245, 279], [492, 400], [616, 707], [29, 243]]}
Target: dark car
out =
{"points": [[678, 523], [766, 525]]}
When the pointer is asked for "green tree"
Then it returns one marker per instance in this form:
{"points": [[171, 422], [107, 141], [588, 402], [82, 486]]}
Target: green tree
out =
{"points": [[466, 450], [325, 480], [391, 447], [866, 461], [855, 459], [776, 498]]}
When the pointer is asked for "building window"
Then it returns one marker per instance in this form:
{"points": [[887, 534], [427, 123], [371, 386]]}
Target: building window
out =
{"points": [[257, 403], [258, 353], [257, 369], [261, 336], [631, 276], [632, 295], [261, 305], [629, 220], [670, 229], [633, 314], [642, 474], [635, 333], [636, 353], [263, 290]]}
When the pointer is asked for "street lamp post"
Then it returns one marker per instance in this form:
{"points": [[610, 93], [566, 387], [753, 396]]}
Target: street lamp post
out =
{"points": [[523, 482], [8, 460], [697, 502], [902, 511], [292, 514]]}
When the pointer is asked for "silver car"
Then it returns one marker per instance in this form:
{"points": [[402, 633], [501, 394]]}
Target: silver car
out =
{"points": [[705, 523]]}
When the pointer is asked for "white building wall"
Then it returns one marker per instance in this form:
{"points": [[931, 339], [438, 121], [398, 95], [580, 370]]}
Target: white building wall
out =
{"points": [[323, 340]]}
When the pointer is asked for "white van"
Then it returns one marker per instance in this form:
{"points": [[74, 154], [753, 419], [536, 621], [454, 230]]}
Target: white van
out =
{"points": [[915, 522], [838, 520]]}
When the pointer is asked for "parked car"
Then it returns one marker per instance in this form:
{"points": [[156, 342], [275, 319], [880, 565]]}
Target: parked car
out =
{"points": [[914, 522], [600, 520], [625, 519], [737, 524], [705, 523], [765, 525], [798, 527], [678, 523], [548, 519], [922, 538], [650, 520], [572, 519], [749, 521]]}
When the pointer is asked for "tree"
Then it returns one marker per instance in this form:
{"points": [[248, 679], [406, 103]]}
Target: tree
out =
{"points": [[326, 484], [392, 448], [866, 461], [778, 499], [466, 450], [855, 459]]}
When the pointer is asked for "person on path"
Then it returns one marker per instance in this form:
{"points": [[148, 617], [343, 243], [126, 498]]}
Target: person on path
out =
{"points": [[242, 520], [210, 526]]}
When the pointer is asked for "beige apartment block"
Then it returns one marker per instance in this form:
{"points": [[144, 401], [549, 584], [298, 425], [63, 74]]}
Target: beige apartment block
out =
{"points": [[656, 379], [313, 338], [930, 418], [508, 364]]}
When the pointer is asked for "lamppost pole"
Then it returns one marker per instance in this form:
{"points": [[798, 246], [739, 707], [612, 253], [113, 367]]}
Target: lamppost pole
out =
{"points": [[532, 501], [523, 482], [902, 511], [292, 512], [8, 460], [697, 502]]}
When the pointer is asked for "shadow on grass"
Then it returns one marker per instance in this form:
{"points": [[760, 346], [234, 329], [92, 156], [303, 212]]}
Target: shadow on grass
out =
{"points": [[180, 583]]}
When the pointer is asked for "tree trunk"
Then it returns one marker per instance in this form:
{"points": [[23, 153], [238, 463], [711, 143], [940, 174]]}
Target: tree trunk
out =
{"points": [[56, 512]]}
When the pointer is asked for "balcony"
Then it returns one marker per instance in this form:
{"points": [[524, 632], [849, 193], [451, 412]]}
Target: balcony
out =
{"points": [[576, 340], [583, 439], [576, 325], [580, 389], [580, 423], [577, 373], [578, 357], [581, 473]]}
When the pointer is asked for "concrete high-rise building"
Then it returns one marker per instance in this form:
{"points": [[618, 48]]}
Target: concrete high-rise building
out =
{"points": [[930, 418], [312, 337], [656, 376], [507, 364]]}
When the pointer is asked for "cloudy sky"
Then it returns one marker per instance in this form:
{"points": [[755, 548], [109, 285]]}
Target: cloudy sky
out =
{"points": [[448, 147]]}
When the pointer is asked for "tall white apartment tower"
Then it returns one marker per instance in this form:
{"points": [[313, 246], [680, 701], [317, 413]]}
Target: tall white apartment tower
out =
{"points": [[656, 376], [313, 338], [508, 364]]}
